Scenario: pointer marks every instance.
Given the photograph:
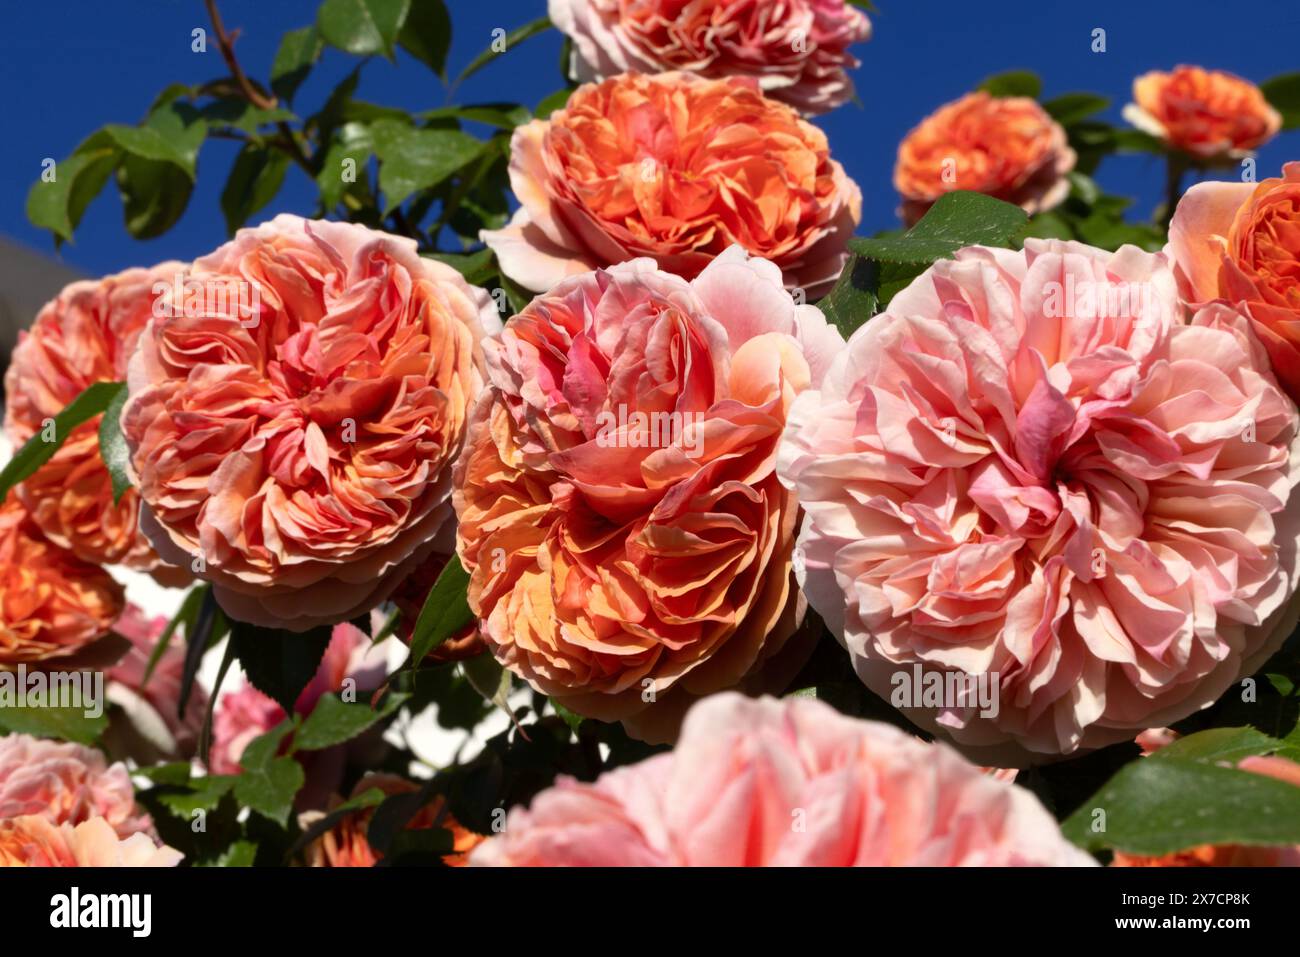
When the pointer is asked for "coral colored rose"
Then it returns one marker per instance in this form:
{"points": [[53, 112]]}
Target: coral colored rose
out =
{"points": [[620, 516], [351, 662], [33, 841], [1241, 242], [1208, 113], [85, 335], [298, 439], [796, 50], [1029, 475], [52, 604], [151, 730], [345, 844], [1007, 147], [66, 783], [677, 168], [785, 783], [1220, 855]]}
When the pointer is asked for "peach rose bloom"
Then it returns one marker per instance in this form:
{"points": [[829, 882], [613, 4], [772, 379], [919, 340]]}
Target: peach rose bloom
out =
{"points": [[1208, 113], [677, 168], [625, 564], [33, 841], [788, 783], [1241, 242], [1006, 147], [66, 783], [83, 336], [796, 50], [246, 713], [301, 445], [1030, 472], [1220, 855], [151, 731], [52, 604], [345, 844]]}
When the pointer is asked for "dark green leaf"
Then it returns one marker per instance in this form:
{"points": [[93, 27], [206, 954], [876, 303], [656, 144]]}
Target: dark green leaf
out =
{"points": [[1219, 744], [1069, 108], [1283, 93], [362, 27], [112, 446], [182, 125], [445, 612], [200, 794], [210, 626], [854, 299], [334, 720], [239, 114], [279, 663], [426, 34], [299, 51], [150, 144], [957, 219], [518, 35], [267, 783], [154, 195], [186, 615], [353, 142], [254, 180], [238, 854], [1013, 83], [371, 797], [411, 160], [477, 267], [1158, 807], [36, 451]]}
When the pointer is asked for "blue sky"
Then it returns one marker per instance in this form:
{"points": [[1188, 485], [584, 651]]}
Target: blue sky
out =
{"points": [[70, 67]]}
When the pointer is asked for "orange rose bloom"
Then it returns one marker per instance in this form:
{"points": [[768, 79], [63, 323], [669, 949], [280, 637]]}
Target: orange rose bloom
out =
{"points": [[1007, 147], [345, 844], [628, 540], [52, 604], [1208, 113], [85, 335], [675, 167], [34, 841], [1241, 242]]}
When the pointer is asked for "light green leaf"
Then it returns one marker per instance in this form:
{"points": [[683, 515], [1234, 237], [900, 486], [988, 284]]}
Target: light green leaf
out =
{"points": [[446, 611], [412, 160], [58, 205], [362, 27], [268, 784], [93, 400], [960, 218], [112, 445], [334, 720], [298, 53], [61, 724], [150, 144], [516, 36]]}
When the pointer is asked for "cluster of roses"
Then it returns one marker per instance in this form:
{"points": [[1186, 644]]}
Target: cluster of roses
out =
{"points": [[1092, 506]]}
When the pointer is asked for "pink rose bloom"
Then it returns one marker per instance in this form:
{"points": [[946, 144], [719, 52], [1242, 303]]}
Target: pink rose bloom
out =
{"points": [[32, 841], [66, 783], [84, 335], [788, 783], [292, 421], [152, 731], [246, 713], [628, 541], [1030, 476], [797, 50], [677, 168]]}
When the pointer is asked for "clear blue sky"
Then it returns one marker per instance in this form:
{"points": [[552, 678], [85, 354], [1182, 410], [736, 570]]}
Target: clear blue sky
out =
{"points": [[68, 67]]}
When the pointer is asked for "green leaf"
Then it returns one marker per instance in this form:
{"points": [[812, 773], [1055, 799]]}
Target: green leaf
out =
{"points": [[210, 626], [244, 116], [1155, 807], [200, 794], [445, 612], [334, 720], [150, 144], [1070, 108], [503, 116], [59, 205], [154, 195], [182, 125], [1013, 83], [489, 679], [854, 298], [298, 53], [1283, 94], [477, 267], [238, 854], [957, 219], [556, 101], [267, 783], [353, 142], [36, 451], [411, 160], [62, 724], [1135, 141], [1219, 745], [426, 34], [371, 797], [517, 35], [571, 718], [362, 27], [279, 663], [112, 446], [254, 180]]}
